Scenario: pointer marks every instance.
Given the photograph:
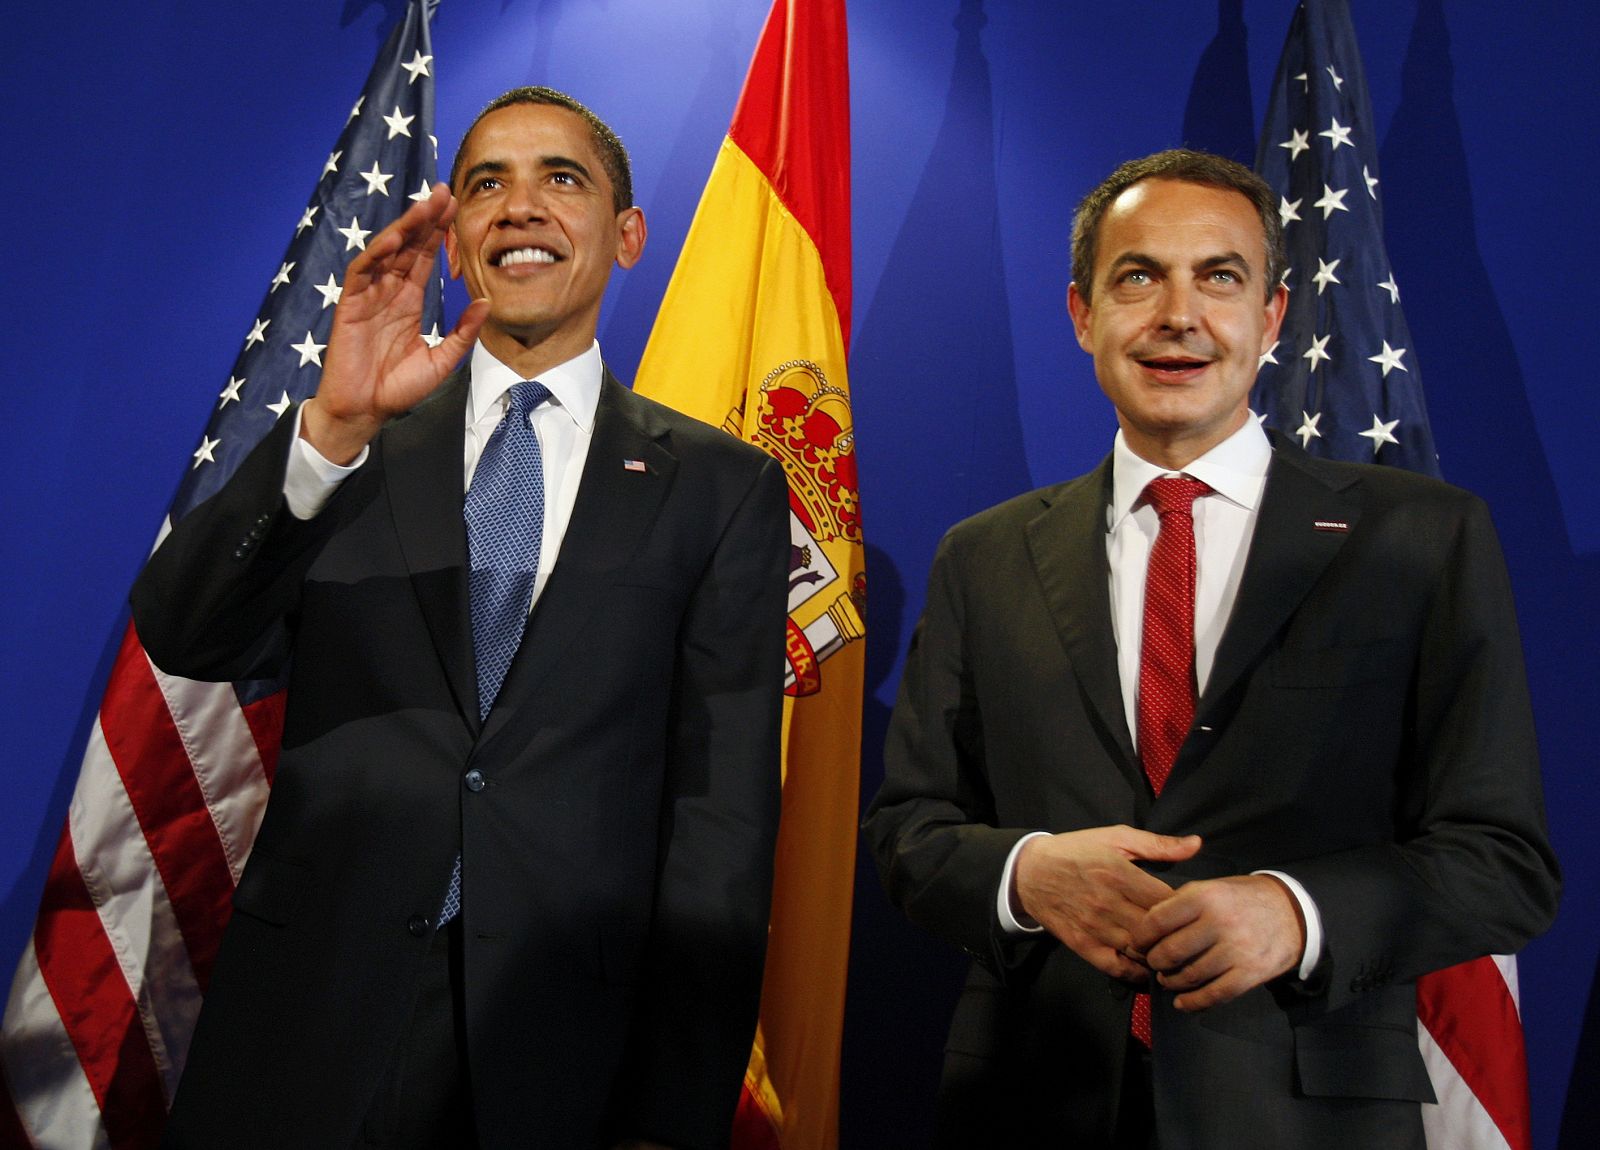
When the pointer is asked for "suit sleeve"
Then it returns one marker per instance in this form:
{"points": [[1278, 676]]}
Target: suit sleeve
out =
{"points": [[1472, 872], [702, 983], [931, 824], [213, 600]]}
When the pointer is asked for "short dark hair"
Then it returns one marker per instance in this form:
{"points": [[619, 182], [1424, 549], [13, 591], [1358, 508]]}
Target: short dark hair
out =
{"points": [[613, 156], [1183, 166]]}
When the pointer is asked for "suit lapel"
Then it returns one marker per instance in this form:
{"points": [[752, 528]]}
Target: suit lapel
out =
{"points": [[423, 470], [1067, 544], [1306, 515], [615, 510]]}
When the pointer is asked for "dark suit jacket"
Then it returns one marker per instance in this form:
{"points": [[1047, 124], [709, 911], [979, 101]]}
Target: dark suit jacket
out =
{"points": [[617, 863], [1366, 729]]}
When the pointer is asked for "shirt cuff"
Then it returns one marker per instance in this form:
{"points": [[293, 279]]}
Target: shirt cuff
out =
{"points": [[1012, 918], [310, 479], [1308, 910]]}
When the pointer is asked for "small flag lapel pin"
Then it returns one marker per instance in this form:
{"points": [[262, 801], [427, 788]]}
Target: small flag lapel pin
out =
{"points": [[1337, 525], [633, 465]]}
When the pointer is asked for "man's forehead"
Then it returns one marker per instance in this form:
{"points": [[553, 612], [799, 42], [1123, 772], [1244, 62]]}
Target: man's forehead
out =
{"points": [[1179, 201], [1182, 210], [552, 129]]}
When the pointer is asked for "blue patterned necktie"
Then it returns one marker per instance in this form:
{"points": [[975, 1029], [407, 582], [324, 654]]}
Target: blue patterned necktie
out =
{"points": [[505, 519], [505, 523]]}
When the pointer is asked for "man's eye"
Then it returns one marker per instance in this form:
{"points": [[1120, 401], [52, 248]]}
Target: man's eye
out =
{"points": [[1224, 276], [485, 184], [1137, 278], [564, 178]]}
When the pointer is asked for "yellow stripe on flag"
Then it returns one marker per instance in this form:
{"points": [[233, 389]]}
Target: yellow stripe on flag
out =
{"points": [[748, 295]]}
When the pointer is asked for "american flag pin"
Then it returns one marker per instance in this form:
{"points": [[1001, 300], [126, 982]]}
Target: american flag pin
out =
{"points": [[633, 465], [1329, 525]]}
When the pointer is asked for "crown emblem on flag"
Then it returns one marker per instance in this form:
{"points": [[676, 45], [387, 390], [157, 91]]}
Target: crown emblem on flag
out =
{"points": [[805, 424]]}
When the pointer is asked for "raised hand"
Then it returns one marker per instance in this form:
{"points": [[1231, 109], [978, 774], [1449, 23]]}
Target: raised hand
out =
{"points": [[377, 365], [1084, 888]]}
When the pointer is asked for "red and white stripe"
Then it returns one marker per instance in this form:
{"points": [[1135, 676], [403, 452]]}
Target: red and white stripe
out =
{"points": [[168, 798], [1469, 1027]]}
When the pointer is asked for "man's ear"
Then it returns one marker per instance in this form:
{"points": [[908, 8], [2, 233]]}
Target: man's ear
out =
{"points": [[1277, 307], [1078, 308], [631, 234], [452, 255]]}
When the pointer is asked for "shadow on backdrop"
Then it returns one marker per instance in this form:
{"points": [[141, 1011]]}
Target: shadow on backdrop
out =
{"points": [[394, 11], [1488, 442], [934, 386], [933, 368], [1219, 117], [902, 982], [546, 16], [1580, 1122], [639, 292]]}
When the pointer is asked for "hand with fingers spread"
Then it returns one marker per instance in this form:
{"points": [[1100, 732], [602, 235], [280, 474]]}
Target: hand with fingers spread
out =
{"points": [[377, 364], [1213, 940], [1084, 888]]}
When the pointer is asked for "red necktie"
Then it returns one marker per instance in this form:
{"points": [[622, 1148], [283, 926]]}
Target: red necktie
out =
{"points": [[1166, 653]]}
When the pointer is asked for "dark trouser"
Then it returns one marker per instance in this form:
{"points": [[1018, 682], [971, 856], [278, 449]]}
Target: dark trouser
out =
{"points": [[1136, 1115], [424, 1101]]}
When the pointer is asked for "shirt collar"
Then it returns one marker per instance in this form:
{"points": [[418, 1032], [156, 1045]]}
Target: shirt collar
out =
{"points": [[574, 385], [1235, 469]]}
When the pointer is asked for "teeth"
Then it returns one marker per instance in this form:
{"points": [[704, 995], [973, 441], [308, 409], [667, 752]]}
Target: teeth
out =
{"points": [[526, 256]]}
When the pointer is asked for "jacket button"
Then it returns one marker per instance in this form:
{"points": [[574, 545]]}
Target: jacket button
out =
{"points": [[475, 780], [418, 925]]}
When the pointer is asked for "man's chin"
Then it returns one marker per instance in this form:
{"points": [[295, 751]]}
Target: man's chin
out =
{"points": [[523, 328]]}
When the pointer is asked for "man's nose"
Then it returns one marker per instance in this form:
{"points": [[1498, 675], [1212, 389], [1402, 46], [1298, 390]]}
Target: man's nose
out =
{"points": [[1179, 306], [524, 201]]}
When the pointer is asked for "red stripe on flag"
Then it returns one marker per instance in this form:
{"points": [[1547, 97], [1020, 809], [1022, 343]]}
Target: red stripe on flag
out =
{"points": [[92, 997], [169, 805], [793, 121], [753, 1128], [1469, 1011], [265, 719]]}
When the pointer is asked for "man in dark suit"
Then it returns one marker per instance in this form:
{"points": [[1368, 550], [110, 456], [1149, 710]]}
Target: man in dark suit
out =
{"points": [[523, 909], [1269, 808]]}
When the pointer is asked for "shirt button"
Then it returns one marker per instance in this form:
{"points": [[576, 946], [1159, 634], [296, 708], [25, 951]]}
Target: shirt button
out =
{"points": [[475, 780], [418, 925]]}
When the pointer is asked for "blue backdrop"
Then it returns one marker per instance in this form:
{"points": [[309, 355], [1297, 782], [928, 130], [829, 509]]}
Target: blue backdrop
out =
{"points": [[164, 153]]}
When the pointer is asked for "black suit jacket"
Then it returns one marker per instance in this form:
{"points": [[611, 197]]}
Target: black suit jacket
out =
{"points": [[617, 861], [1366, 729]]}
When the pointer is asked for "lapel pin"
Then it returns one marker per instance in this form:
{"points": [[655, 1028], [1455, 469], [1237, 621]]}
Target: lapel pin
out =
{"points": [[633, 465], [1329, 525]]}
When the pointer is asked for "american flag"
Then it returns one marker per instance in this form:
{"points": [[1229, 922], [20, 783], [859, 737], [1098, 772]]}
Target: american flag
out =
{"points": [[1343, 379], [1343, 376], [176, 773]]}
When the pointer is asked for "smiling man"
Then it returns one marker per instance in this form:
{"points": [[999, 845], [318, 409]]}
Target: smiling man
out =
{"points": [[512, 884], [1207, 755]]}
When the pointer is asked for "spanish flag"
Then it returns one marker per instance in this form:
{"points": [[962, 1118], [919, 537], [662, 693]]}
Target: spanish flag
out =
{"points": [[751, 336]]}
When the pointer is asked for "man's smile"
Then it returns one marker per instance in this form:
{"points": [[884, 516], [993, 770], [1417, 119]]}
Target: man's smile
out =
{"points": [[512, 257], [1173, 367]]}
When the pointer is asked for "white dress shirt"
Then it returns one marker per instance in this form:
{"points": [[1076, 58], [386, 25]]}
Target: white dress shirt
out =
{"points": [[1224, 520], [564, 424]]}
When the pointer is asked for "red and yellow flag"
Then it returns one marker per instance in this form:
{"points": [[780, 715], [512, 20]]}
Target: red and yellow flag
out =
{"points": [[752, 336]]}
